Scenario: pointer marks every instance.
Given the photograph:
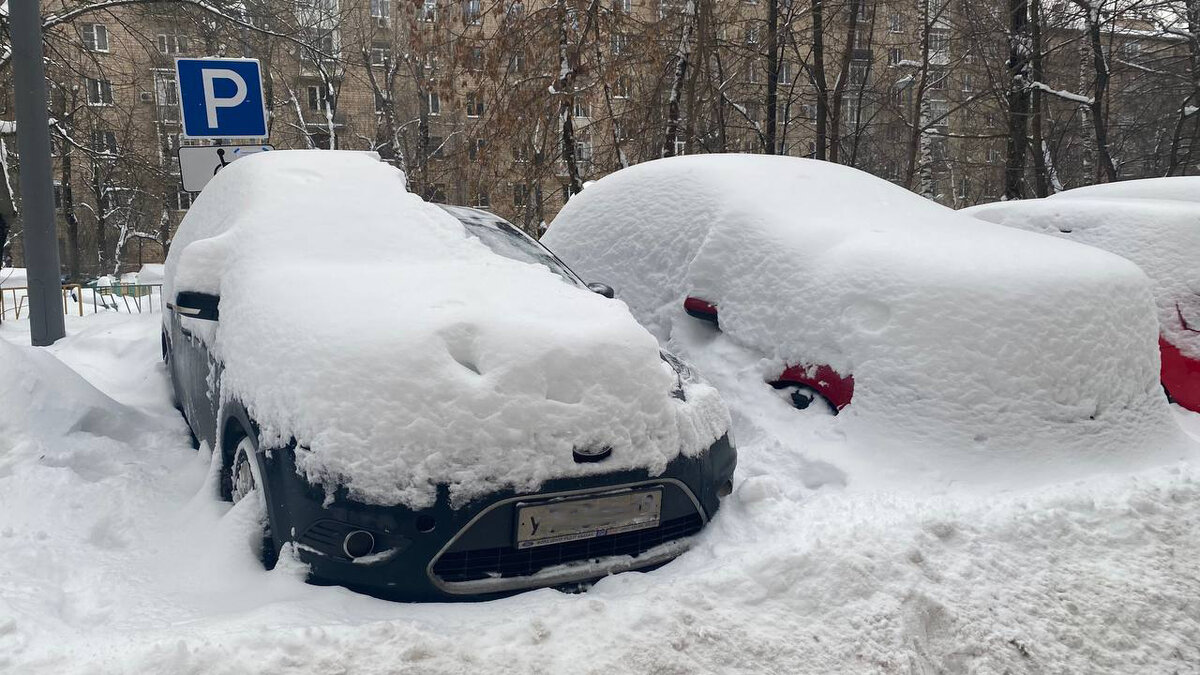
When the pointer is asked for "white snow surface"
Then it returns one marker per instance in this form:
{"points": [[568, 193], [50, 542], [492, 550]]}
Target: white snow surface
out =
{"points": [[116, 557], [980, 354], [425, 359], [1154, 223], [11, 277]]}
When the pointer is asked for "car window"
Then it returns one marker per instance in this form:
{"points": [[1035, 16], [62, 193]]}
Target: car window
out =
{"points": [[505, 239]]}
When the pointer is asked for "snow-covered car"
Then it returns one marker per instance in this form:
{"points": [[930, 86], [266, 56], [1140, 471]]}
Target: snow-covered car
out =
{"points": [[429, 404], [1154, 222], [937, 337]]}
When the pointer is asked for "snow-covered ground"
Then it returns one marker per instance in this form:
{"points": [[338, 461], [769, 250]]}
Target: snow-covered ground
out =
{"points": [[116, 557]]}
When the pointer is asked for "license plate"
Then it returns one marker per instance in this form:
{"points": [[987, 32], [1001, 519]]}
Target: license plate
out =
{"points": [[587, 518]]}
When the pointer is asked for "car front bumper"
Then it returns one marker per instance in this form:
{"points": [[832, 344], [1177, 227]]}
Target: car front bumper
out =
{"points": [[450, 554]]}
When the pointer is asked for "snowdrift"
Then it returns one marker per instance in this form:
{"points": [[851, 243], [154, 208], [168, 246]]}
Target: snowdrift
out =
{"points": [[1154, 223], [979, 353], [426, 359]]}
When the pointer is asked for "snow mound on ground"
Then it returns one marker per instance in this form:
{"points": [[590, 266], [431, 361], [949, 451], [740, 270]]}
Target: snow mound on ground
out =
{"points": [[978, 353], [1152, 225], [13, 277], [426, 359], [44, 400]]}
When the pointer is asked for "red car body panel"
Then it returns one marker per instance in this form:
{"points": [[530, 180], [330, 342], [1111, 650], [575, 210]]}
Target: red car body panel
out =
{"points": [[1180, 374], [834, 387]]}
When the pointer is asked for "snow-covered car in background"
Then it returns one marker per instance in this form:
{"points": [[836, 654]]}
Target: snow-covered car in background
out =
{"points": [[428, 403], [1153, 222], [938, 338]]}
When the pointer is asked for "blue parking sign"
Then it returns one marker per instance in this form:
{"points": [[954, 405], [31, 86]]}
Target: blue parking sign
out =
{"points": [[221, 98]]}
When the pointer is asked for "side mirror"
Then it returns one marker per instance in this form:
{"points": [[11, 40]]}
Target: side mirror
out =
{"points": [[603, 289], [196, 305]]}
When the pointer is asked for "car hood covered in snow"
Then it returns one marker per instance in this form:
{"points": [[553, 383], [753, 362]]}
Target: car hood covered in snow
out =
{"points": [[420, 357], [971, 347], [1153, 222]]}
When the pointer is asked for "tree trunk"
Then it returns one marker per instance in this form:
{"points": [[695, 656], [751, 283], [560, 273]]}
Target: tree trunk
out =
{"points": [[772, 76], [1106, 171], [565, 90], [1018, 98], [1039, 150], [683, 55], [820, 82], [839, 87]]}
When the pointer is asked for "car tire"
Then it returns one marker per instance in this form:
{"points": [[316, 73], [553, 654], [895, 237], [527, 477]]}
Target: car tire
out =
{"points": [[242, 479]]}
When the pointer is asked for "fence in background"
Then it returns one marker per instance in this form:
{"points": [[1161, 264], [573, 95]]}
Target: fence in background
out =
{"points": [[130, 298]]}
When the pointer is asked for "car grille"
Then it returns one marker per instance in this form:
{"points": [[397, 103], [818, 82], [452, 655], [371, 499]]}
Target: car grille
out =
{"points": [[507, 561]]}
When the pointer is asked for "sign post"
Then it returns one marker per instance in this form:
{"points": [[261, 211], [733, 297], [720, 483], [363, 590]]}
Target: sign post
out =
{"points": [[46, 323]]}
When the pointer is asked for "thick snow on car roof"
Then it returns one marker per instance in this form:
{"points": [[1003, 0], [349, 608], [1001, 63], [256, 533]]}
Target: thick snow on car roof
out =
{"points": [[419, 357], [1154, 223], [1177, 188], [970, 346]]}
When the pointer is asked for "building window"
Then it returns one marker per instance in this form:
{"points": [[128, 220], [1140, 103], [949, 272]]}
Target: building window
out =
{"points": [[623, 6], [521, 152], [172, 44], [937, 79], [95, 37], [620, 44], [99, 92], [1130, 51], [751, 36], [482, 199], [752, 75], [475, 150], [436, 193], [967, 85], [582, 107], [475, 59], [516, 63], [993, 156], [319, 44], [183, 201], [516, 10], [939, 112], [166, 96], [785, 72], [895, 56], [316, 97], [939, 41], [894, 24], [381, 54], [381, 9], [680, 148], [436, 146], [621, 87], [862, 35], [435, 103], [61, 194], [520, 196], [471, 10], [429, 10], [859, 72], [381, 101], [474, 105]]}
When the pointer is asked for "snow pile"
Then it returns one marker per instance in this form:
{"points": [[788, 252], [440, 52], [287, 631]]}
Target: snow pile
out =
{"points": [[978, 353], [13, 277], [1154, 223], [123, 561], [428, 359]]}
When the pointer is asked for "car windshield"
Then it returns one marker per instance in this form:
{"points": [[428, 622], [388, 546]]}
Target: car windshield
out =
{"points": [[505, 239]]}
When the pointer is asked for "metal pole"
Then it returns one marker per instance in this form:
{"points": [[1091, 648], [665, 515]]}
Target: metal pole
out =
{"points": [[46, 323]]}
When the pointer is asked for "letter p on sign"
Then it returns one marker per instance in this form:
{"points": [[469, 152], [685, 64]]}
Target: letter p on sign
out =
{"points": [[221, 98]]}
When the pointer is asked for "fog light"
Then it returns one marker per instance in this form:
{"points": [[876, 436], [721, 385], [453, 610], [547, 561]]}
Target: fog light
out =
{"points": [[358, 543], [726, 489]]}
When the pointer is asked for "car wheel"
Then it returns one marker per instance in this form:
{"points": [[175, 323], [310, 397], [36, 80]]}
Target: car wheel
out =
{"points": [[243, 481]]}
